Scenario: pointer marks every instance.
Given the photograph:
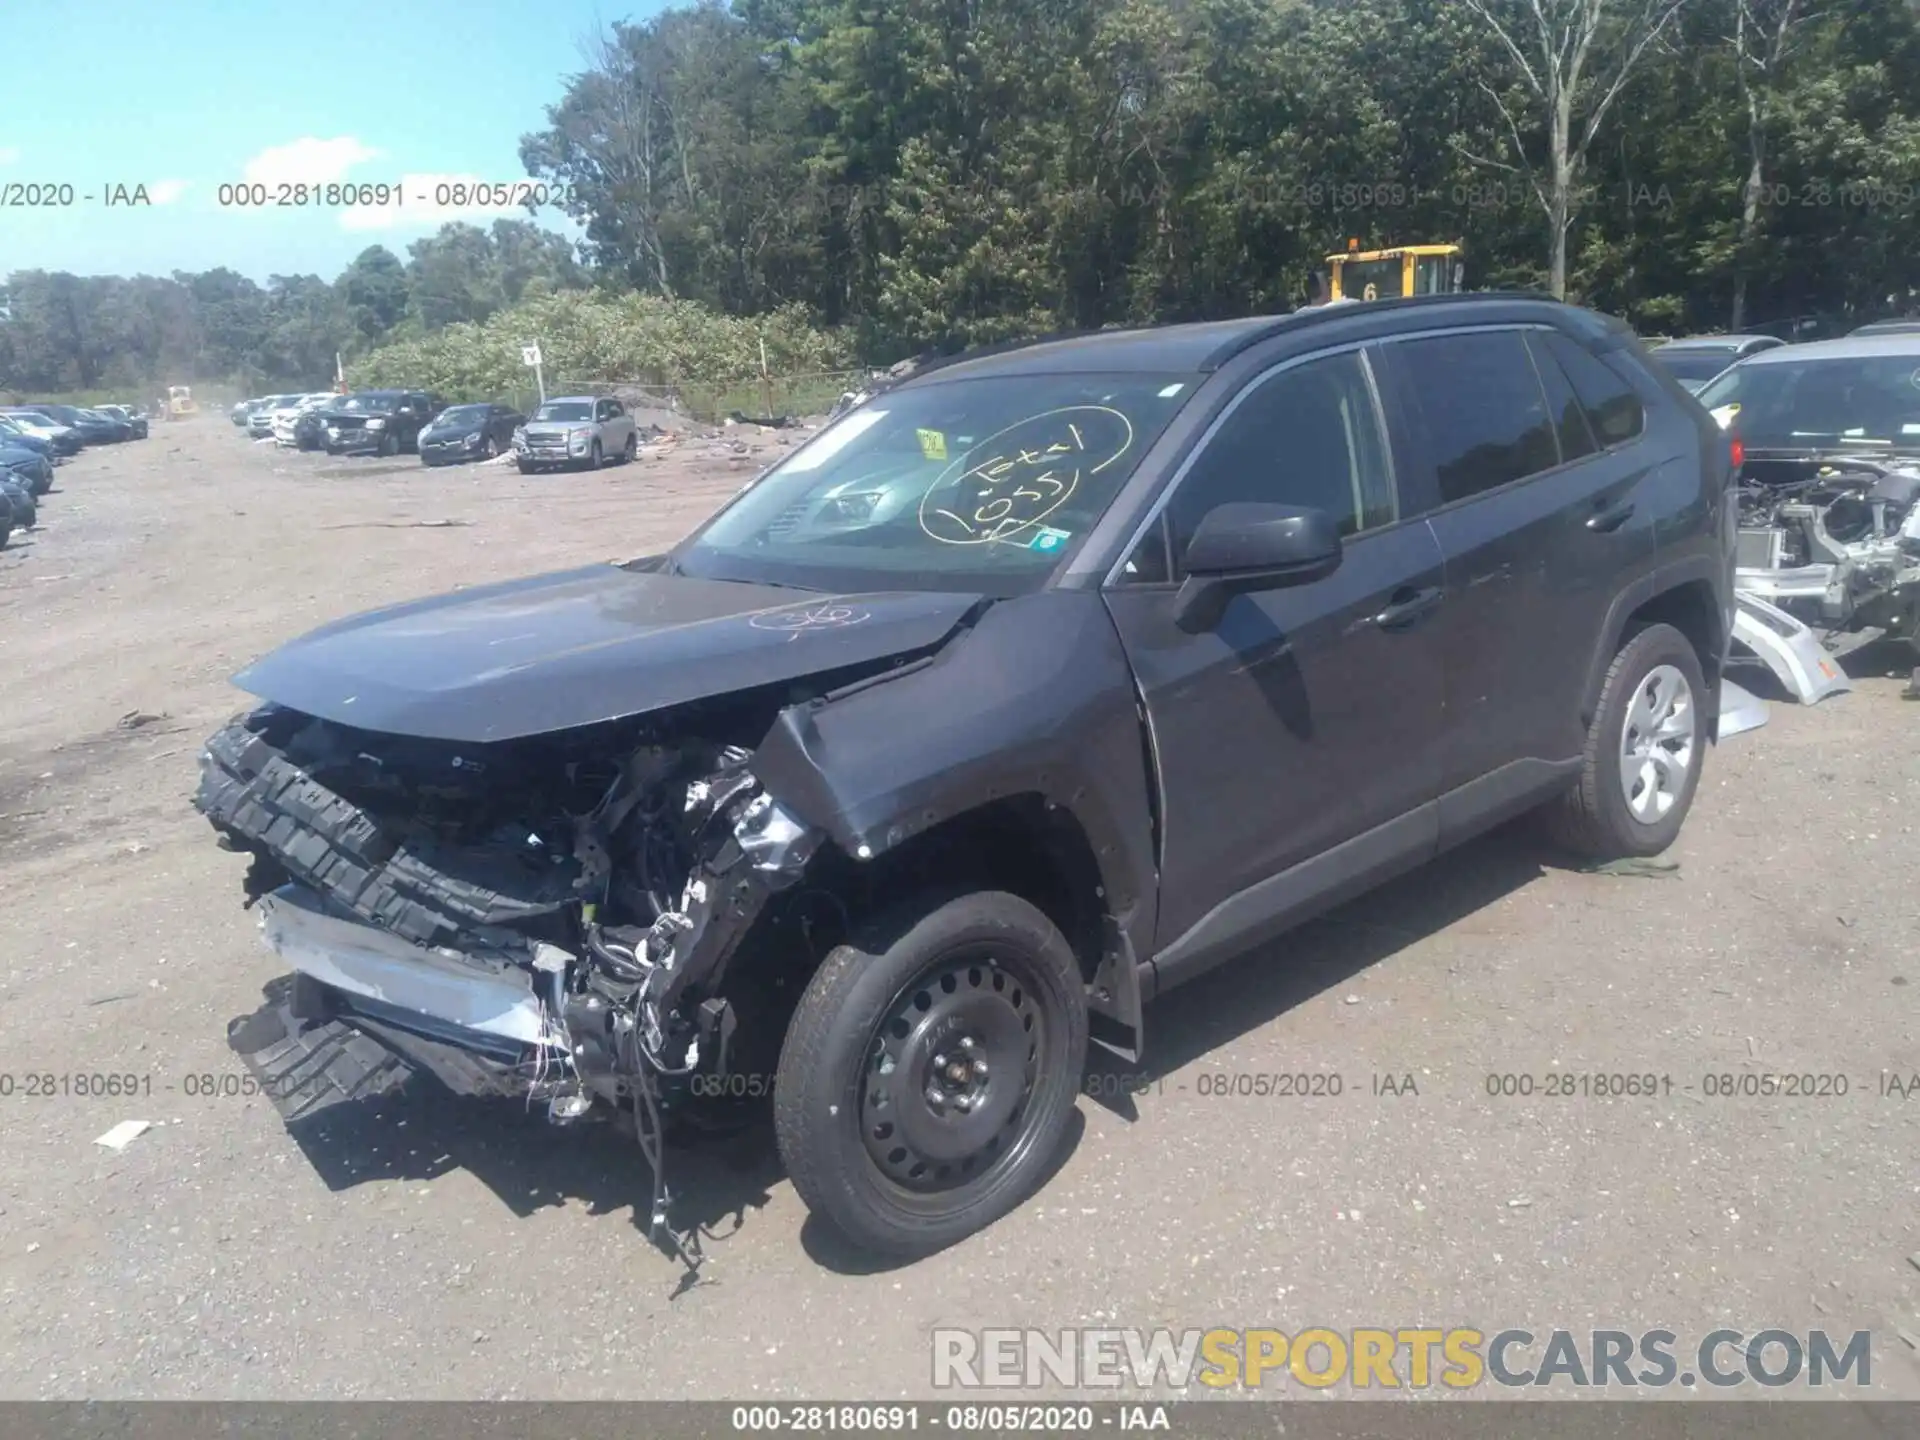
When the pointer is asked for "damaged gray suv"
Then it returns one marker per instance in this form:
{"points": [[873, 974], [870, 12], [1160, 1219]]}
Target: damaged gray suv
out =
{"points": [[1028, 689]]}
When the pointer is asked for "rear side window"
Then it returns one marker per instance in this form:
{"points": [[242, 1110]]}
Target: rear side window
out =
{"points": [[1569, 418], [1486, 417], [1613, 407]]}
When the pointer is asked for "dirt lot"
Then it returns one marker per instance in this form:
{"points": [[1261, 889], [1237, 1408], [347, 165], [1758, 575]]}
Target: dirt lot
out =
{"points": [[435, 1249]]}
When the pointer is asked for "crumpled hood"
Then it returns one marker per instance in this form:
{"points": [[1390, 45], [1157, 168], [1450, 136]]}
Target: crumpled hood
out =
{"points": [[554, 652]]}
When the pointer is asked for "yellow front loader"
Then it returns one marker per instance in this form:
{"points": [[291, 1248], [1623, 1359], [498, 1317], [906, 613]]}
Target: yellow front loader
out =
{"points": [[180, 402], [1357, 274]]}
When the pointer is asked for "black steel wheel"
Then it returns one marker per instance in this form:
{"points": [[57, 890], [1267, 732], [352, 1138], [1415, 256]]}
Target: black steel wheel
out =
{"points": [[930, 1070]]}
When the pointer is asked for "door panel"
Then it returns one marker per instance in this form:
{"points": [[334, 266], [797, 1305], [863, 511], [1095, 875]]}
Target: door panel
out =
{"points": [[1532, 547], [1308, 715]]}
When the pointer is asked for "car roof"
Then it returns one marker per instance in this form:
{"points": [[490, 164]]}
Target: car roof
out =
{"points": [[1718, 342], [1848, 347], [1204, 346], [1889, 327]]}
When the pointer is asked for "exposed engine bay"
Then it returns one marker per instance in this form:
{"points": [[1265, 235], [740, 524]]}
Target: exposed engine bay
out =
{"points": [[561, 911], [1834, 540]]}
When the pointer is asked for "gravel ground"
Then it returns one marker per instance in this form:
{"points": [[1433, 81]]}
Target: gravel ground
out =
{"points": [[437, 1249]]}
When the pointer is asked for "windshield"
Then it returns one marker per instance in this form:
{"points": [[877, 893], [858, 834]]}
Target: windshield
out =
{"points": [[1383, 278], [461, 415], [963, 485], [1812, 404], [1696, 362], [368, 404], [571, 410]]}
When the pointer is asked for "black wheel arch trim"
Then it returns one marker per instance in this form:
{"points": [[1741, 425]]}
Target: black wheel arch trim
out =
{"points": [[1710, 570]]}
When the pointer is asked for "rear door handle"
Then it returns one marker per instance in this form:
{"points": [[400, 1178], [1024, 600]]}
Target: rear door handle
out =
{"points": [[1408, 607], [1609, 518]]}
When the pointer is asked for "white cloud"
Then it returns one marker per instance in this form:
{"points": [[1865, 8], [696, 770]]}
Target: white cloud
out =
{"points": [[165, 192], [308, 160], [429, 201], [9, 154]]}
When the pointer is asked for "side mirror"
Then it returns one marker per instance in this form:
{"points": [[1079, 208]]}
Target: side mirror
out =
{"points": [[1244, 548]]}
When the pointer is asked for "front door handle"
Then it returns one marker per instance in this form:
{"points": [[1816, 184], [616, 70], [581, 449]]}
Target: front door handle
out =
{"points": [[1609, 518], [1407, 607]]}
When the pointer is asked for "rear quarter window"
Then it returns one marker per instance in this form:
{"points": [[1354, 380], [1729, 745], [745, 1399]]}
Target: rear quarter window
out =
{"points": [[1613, 406]]}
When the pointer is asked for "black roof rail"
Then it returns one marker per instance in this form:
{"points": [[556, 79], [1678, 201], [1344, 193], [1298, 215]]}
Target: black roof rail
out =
{"points": [[1324, 314]]}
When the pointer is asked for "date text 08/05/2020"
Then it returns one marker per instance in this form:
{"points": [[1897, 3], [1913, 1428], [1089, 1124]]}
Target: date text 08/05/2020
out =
{"points": [[443, 194]]}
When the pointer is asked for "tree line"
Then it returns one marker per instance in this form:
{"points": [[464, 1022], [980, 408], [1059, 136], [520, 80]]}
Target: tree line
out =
{"points": [[921, 173], [960, 170], [69, 332]]}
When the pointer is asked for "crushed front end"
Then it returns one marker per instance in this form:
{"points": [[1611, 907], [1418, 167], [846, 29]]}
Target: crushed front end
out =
{"points": [[1834, 540], [550, 918]]}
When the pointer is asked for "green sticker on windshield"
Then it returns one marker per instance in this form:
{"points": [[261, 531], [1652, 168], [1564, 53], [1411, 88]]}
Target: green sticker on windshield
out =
{"points": [[1047, 539]]}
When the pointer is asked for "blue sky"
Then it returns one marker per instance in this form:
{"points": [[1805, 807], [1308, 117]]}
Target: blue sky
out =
{"points": [[183, 96]]}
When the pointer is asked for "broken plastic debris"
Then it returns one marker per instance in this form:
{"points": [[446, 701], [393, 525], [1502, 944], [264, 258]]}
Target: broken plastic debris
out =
{"points": [[1644, 867], [124, 1134]]}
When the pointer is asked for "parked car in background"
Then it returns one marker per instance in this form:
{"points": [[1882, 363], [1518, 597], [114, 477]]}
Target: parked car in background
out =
{"points": [[32, 470], [260, 418], [1828, 436], [309, 428], [63, 437], [239, 413], [7, 523], [469, 432], [1698, 358], [383, 422], [20, 438], [1889, 327], [575, 432], [119, 430], [286, 418], [136, 419], [20, 496], [94, 429]]}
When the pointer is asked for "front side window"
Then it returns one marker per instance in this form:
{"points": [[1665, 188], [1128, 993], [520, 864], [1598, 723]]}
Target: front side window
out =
{"points": [[1486, 417], [962, 484], [1307, 436]]}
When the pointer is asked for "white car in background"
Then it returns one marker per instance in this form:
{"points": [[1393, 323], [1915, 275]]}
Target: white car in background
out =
{"points": [[282, 418], [260, 422]]}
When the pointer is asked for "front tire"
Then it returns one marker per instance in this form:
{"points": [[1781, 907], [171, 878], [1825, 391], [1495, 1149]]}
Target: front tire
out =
{"points": [[929, 1071], [389, 444], [594, 456], [1644, 752], [524, 467]]}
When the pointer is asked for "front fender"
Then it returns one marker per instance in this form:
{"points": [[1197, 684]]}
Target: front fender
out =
{"points": [[1037, 698]]}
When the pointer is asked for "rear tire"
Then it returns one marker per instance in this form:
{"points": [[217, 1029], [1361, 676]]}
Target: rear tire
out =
{"points": [[930, 1070], [1644, 753], [631, 449]]}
